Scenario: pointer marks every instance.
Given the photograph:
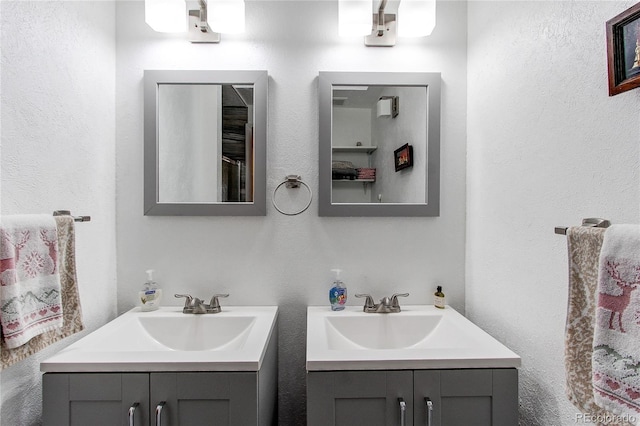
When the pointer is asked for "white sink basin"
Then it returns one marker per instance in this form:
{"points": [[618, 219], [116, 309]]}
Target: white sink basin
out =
{"points": [[206, 332], [419, 337], [378, 331], [168, 340]]}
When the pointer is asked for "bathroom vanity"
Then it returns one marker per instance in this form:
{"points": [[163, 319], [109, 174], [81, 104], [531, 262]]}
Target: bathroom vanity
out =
{"points": [[178, 398], [168, 368], [409, 397], [422, 366]]}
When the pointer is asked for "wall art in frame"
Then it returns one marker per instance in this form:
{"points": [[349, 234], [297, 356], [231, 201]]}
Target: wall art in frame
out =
{"points": [[403, 157], [623, 51]]}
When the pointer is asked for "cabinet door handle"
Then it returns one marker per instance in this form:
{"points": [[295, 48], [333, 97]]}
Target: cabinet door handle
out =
{"points": [[132, 413], [159, 408], [429, 404], [403, 412]]}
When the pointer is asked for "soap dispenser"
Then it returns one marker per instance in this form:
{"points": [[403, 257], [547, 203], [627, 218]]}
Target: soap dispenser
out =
{"points": [[150, 295], [438, 298], [338, 292]]}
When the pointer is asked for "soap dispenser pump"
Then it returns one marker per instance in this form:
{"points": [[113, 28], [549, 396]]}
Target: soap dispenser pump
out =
{"points": [[150, 295], [338, 292]]}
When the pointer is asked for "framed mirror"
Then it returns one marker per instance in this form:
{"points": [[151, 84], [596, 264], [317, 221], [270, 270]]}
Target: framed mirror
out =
{"points": [[205, 142], [379, 144]]}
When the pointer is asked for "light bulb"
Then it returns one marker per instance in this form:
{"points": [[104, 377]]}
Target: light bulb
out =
{"points": [[166, 16], [355, 18], [416, 18], [226, 16]]}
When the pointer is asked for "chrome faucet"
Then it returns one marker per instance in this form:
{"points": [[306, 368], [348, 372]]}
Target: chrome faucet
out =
{"points": [[387, 305], [193, 305]]}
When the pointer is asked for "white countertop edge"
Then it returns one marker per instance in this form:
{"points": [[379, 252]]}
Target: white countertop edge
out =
{"points": [[429, 364], [265, 345], [351, 361], [131, 367]]}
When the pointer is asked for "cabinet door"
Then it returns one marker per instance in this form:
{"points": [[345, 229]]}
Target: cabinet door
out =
{"points": [[481, 397], [200, 399], [347, 398], [95, 399]]}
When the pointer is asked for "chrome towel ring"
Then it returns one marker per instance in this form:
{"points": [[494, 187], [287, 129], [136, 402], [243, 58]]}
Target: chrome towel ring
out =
{"points": [[292, 182]]}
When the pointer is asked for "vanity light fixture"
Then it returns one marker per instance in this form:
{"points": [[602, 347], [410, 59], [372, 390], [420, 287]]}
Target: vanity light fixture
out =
{"points": [[413, 18], [204, 20]]}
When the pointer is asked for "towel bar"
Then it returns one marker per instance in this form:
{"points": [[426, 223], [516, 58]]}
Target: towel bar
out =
{"points": [[590, 221], [75, 218]]}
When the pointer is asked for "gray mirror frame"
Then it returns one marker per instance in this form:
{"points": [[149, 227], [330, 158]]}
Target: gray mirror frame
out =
{"points": [[326, 81], [152, 78]]}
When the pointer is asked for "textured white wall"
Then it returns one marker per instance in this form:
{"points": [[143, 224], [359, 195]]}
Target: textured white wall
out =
{"points": [[277, 259], [546, 147], [58, 152]]}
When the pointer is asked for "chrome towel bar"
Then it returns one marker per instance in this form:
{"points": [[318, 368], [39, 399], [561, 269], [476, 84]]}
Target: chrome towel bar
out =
{"points": [[590, 221], [75, 218]]}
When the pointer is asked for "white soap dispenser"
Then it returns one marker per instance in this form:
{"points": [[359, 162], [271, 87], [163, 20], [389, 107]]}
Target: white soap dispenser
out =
{"points": [[338, 292], [150, 295]]}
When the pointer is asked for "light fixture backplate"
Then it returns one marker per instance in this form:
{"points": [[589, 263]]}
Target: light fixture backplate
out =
{"points": [[388, 38], [196, 35]]}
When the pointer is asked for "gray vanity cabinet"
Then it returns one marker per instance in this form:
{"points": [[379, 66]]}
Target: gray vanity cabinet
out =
{"points": [[189, 399], [478, 397], [97, 399], [347, 398], [196, 399]]}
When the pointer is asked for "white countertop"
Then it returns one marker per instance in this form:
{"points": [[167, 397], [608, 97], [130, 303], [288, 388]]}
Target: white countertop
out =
{"points": [[124, 344], [422, 337]]}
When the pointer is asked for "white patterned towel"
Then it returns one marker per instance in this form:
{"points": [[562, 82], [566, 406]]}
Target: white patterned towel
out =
{"points": [[616, 343], [30, 300]]}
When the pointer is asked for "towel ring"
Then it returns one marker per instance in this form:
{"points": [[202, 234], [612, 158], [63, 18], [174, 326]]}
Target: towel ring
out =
{"points": [[294, 182]]}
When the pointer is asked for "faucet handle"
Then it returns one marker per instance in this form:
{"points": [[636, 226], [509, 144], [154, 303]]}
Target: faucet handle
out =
{"points": [[215, 304], [189, 299], [368, 303], [394, 298]]}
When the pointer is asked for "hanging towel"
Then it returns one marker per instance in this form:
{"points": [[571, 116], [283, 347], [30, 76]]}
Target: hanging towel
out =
{"points": [[30, 301], [72, 312], [584, 246], [616, 343]]}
